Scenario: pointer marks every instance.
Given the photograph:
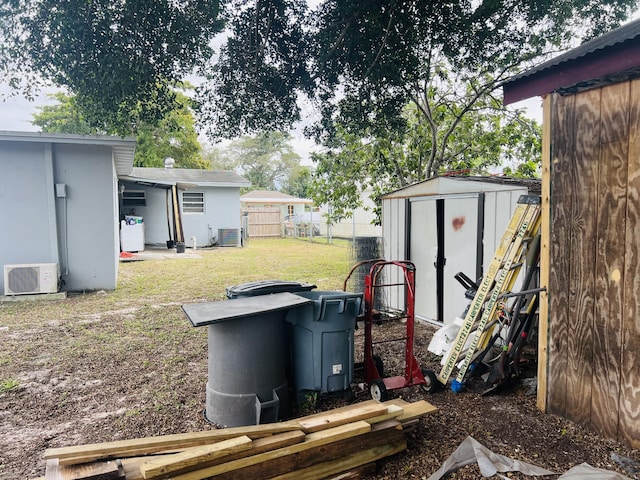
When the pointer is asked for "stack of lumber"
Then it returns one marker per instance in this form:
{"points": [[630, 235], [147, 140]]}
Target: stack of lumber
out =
{"points": [[342, 443]]}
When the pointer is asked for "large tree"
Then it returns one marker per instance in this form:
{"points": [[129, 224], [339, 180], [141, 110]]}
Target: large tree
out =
{"points": [[267, 160], [174, 135], [481, 142], [119, 57], [364, 61]]}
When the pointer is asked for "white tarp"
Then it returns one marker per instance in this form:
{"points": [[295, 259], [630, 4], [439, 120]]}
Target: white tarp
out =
{"points": [[490, 463]]}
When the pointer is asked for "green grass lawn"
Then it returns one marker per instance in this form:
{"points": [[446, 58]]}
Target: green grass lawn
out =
{"points": [[142, 318]]}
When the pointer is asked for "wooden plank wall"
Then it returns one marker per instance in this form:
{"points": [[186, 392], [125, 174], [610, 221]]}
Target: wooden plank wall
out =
{"points": [[630, 366], [594, 272], [264, 222]]}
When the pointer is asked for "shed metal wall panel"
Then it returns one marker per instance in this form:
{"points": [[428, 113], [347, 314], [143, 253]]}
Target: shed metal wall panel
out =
{"points": [[461, 250], [424, 250], [394, 241], [499, 208]]}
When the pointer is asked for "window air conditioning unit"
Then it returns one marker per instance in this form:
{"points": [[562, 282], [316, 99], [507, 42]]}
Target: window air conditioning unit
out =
{"points": [[228, 237], [30, 278]]}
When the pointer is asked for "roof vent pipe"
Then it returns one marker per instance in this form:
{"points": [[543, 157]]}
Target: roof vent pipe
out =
{"points": [[169, 162]]}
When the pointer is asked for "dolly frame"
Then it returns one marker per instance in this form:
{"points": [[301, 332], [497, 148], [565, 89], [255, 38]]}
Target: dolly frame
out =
{"points": [[379, 386]]}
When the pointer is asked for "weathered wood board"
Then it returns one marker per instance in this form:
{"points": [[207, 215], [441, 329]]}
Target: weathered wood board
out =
{"points": [[630, 367], [582, 225], [609, 265], [563, 122], [593, 351]]}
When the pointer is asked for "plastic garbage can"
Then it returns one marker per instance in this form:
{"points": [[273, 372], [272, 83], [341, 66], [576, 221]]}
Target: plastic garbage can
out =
{"points": [[322, 342], [248, 353]]}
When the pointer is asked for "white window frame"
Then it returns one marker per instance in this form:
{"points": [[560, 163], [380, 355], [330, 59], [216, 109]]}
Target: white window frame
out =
{"points": [[193, 206]]}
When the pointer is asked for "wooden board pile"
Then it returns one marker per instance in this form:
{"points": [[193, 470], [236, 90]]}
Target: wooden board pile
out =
{"points": [[343, 443]]}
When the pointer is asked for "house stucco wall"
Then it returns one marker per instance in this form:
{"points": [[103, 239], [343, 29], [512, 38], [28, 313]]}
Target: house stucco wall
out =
{"points": [[87, 216], [26, 202], [77, 231], [222, 210]]}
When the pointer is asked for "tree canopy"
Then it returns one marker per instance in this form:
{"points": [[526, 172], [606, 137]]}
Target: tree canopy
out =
{"points": [[267, 160], [119, 58], [362, 62], [483, 140], [174, 135]]}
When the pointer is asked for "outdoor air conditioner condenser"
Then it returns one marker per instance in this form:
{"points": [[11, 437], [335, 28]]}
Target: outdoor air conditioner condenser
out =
{"points": [[31, 278], [229, 237]]}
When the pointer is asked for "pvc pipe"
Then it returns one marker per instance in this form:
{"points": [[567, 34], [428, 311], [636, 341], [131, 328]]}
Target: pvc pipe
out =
{"points": [[193, 239]]}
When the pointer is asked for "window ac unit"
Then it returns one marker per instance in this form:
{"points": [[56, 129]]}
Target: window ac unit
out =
{"points": [[30, 278], [228, 237]]}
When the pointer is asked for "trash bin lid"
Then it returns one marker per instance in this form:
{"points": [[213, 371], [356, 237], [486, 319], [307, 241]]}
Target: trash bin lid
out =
{"points": [[202, 314], [265, 287]]}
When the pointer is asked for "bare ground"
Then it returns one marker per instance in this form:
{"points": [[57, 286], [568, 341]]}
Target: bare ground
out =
{"points": [[147, 377]]}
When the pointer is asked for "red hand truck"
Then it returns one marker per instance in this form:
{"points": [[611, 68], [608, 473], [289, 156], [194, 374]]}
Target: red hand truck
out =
{"points": [[401, 278]]}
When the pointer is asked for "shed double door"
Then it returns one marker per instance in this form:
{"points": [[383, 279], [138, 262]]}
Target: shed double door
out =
{"points": [[445, 238]]}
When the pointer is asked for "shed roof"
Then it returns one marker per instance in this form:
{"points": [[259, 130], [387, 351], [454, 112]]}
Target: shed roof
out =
{"points": [[457, 184], [267, 196], [610, 58], [185, 177], [123, 148]]}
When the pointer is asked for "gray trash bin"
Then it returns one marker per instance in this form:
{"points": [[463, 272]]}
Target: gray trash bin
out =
{"points": [[248, 355], [322, 341]]}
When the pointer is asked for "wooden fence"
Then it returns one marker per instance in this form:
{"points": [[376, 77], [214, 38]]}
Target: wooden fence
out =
{"points": [[264, 222]]}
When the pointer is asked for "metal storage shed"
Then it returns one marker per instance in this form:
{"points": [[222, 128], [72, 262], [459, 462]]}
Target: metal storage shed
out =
{"points": [[447, 225]]}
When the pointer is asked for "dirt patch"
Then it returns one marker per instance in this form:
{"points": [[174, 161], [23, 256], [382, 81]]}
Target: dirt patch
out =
{"points": [[127, 373]]}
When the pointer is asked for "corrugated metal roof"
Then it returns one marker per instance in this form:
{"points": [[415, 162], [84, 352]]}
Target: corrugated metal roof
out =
{"points": [[173, 176], [610, 58], [620, 35], [123, 148]]}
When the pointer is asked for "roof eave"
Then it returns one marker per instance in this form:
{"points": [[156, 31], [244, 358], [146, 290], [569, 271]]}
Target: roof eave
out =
{"points": [[597, 65], [123, 148]]}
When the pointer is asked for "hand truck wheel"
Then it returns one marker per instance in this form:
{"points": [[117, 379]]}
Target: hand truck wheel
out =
{"points": [[431, 381], [378, 390]]}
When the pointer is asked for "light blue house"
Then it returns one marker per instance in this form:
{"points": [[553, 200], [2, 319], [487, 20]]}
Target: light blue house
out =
{"points": [[59, 210], [63, 196], [206, 204]]}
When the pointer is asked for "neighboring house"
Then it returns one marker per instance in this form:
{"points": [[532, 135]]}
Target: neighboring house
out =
{"points": [[288, 204], [268, 211], [589, 344], [447, 225], [359, 224], [208, 204], [59, 205]]}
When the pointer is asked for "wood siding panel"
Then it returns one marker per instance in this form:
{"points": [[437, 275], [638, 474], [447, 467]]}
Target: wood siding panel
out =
{"points": [[582, 224], [264, 222], [562, 161], [543, 318], [610, 254], [629, 423]]}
